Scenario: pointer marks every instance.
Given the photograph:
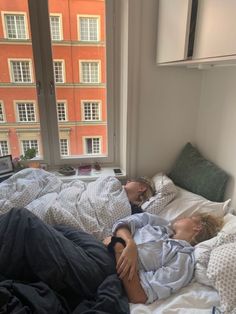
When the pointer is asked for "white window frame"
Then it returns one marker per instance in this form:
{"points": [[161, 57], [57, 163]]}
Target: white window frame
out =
{"points": [[11, 71], [17, 102], [44, 74], [85, 138], [30, 146], [97, 17], [62, 61], [8, 151], [59, 15], [83, 102], [68, 146], [66, 110], [2, 112], [5, 31], [81, 78]]}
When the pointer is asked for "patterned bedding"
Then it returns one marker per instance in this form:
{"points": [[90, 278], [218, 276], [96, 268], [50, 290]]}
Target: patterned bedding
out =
{"points": [[92, 207]]}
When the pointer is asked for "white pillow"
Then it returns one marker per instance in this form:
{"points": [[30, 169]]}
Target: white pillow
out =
{"points": [[203, 250], [165, 193], [187, 203], [222, 271]]}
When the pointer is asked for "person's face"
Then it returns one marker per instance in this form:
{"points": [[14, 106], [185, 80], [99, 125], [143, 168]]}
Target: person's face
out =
{"points": [[187, 224], [135, 187]]}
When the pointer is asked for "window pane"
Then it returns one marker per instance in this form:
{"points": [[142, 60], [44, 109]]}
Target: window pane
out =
{"points": [[4, 148], [55, 26], [88, 28], [80, 77], [19, 117], [15, 26]]}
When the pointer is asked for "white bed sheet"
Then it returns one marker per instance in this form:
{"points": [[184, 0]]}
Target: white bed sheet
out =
{"points": [[195, 298]]}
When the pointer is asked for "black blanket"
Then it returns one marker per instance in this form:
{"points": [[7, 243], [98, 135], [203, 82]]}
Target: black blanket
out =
{"points": [[45, 269]]}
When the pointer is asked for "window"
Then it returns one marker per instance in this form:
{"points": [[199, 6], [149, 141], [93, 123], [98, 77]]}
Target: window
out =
{"points": [[55, 27], [58, 87], [26, 144], [64, 147], [93, 145], [4, 148], [26, 112], [58, 71], [61, 111], [2, 119], [15, 26], [88, 27], [91, 111], [20, 71], [89, 72]]}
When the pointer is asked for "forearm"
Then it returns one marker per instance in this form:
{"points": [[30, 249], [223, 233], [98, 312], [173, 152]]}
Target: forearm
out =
{"points": [[132, 287], [124, 233]]}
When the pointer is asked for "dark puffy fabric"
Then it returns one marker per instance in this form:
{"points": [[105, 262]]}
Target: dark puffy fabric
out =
{"points": [[55, 270]]}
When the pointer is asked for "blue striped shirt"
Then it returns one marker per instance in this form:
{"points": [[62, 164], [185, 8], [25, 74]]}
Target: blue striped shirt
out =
{"points": [[165, 264]]}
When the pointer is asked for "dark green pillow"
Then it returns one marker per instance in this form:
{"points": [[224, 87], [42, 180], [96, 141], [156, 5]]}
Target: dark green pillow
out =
{"points": [[198, 175]]}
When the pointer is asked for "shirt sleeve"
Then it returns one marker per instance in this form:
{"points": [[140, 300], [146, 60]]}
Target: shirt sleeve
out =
{"points": [[137, 221], [172, 276]]}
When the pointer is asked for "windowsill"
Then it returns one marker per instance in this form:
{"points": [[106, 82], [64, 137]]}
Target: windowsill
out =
{"points": [[92, 176]]}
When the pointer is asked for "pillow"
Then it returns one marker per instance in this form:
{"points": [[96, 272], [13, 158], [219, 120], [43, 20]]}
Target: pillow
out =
{"points": [[187, 203], [203, 250], [196, 174], [222, 271], [165, 192]]}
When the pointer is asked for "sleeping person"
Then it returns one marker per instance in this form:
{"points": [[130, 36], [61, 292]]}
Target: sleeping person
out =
{"points": [[152, 258], [138, 191]]}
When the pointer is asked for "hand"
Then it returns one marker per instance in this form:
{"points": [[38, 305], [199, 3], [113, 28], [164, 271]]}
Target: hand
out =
{"points": [[127, 262], [106, 241]]}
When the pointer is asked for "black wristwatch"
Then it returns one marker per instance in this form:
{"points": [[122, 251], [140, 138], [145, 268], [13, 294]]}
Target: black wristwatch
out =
{"points": [[115, 240]]}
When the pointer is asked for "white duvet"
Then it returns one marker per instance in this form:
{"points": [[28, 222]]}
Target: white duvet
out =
{"points": [[92, 207]]}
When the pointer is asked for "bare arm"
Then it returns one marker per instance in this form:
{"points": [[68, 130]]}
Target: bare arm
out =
{"points": [[127, 261], [132, 287]]}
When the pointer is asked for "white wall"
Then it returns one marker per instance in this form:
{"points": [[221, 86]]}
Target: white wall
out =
{"points": [[167, 103], [176, 105], [216, 123]]}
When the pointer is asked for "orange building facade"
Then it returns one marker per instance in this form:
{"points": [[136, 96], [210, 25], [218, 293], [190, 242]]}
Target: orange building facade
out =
{"points": [[79, 61]]}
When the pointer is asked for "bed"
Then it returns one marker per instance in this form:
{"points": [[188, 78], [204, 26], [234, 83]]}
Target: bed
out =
{"points": [[94, 207]]}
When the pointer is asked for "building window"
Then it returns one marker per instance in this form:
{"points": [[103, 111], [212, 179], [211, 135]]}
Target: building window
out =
{"points": [[61, 111], [91, 111], [93, 145], [86, 67], [55, 27], [88, 27], [26, 112], [21, 71], [64, 147], [89, 72], [4, 148], [58, 71], [26, 144], [15, 26], [2, 118]]}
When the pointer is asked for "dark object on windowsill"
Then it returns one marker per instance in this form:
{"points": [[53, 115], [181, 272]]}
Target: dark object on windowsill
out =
{"points": [[85, 170], [97, 166], [67, 171]]}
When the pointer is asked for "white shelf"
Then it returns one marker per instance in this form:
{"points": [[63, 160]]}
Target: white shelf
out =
{"points": [[204, 63]]}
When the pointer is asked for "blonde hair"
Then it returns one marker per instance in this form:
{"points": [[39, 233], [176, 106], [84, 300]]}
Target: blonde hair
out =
{"points": [[150, 188], [211, 225]]}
